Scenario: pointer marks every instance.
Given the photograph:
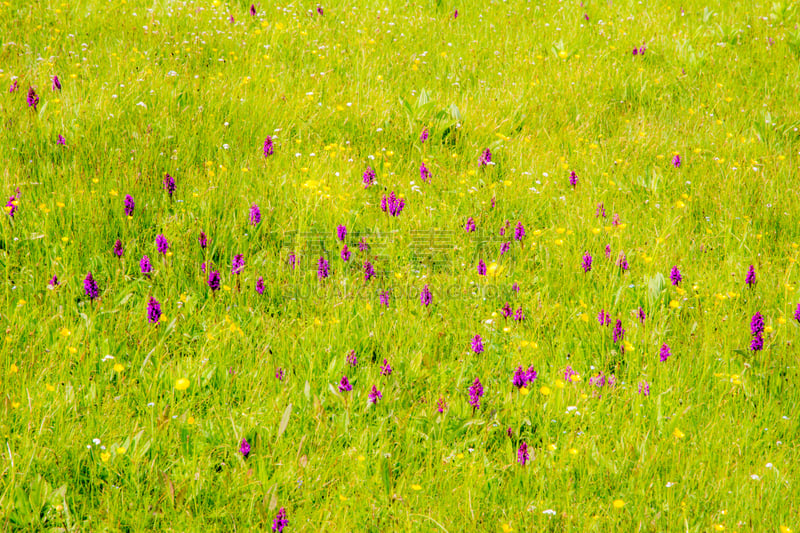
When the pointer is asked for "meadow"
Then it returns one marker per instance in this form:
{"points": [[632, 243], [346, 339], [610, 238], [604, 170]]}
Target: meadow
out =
{"points": [[393, 266]]}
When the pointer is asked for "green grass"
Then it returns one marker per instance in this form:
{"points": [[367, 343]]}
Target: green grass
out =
{"points": [[151, 88]]}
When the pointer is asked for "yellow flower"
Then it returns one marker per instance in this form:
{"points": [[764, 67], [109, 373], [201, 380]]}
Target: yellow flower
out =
{"points": [[573, 451], [190, 420], [507, 528], [182, 384], [563, 54], [674, 304], [545, 390], [628, 346], [719, 527], [523, 391], [678, 434], [118, 368], [618, 504], [49, 387], [13, 369], [105, 456], [785, 529], [416, 487], [575, 378], [585, 317], [121, 451]]}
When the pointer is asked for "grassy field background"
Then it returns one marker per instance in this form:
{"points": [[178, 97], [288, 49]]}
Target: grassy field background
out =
{"points": [[684, 157]]}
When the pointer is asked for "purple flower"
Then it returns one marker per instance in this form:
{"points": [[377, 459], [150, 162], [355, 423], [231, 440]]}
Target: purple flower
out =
{"points": [[506, 246], [323, 268], [568, 373], [268, 147], [522, 454], [481, 268], [129, 205], [675, 275], [750, 279], [587, 262], [280, 521], [635, 51], [676, 161], [368, 178], [33, 98], [118, 250], [255, 215], [424, 173], [14, 86], [615, 219], [244, 448], [622, 262], [56, 83], [619, 333], [145, 266], [757, 324], [642, 316], [598, 381], [90, 287], [425, 297], [153, 310], [424, 135], [203, 267], [644, 388], [573, 179], [507, 311], [203, 240], [375, 395], [237, 265], [280, 374], [520, 378], [477, 344], [341, 232], [502, 231], [384, 298], [601, 211], [515, 288], [392, 204], [531, 375], [797, 313], [169, 184], [292, 260], [345, 253], [441, 405], [161, 244], [604, 318], [469, 227], [519, 316], [320, 12], [486, 157], [260, 285], [362, 245], [386, 369], [475, 394], [253, 14], [455, 14], [61, 140], [344, 385], [519, 231], [352, 360], [214, 281], [608, 251], [369, 271], [54, 282], [758, 343], [665, 353]]}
